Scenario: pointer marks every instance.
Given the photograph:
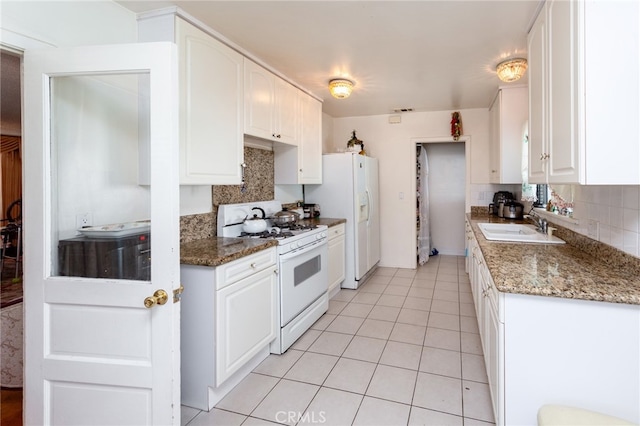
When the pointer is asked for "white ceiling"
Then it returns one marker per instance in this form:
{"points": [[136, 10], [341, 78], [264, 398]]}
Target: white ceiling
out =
{"points": [[425, 55]]}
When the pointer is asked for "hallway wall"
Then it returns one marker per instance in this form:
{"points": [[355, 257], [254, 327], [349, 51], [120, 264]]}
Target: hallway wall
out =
{"points": [[394, 145], [447, 177]]}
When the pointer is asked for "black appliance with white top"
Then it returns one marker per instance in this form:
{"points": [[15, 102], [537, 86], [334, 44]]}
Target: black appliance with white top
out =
{"points": [[302, 267], [121, 257]]}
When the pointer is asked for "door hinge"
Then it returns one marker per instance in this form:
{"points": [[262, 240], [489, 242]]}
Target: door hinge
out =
{"points": [[177, 293]]}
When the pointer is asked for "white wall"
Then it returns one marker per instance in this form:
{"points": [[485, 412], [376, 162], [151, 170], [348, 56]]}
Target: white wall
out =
{"points": [[95, 152], [394, 146], [447, 189]]}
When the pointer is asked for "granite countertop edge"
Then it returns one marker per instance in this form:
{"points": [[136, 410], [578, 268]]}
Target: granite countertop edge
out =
{"points": [[553, 270], [216, 251]]}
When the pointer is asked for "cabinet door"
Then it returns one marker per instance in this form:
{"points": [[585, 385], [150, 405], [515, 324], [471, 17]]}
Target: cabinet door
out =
{"points": [[494, 138], [493, 360], [259, 100], [246, 321], [285, 127], [537, 98], [310, 142], [563, 91], [336, 261], [211, 109]]}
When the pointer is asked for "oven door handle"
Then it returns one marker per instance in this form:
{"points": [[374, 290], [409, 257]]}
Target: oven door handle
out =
{"points": [[302, 250]]}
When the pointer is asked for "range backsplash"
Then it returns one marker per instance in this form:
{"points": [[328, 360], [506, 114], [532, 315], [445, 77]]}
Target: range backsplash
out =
{"points": [[259, 187]]}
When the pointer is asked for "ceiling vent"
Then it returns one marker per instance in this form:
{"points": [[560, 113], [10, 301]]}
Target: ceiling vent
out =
{"points": [[403, 110]]}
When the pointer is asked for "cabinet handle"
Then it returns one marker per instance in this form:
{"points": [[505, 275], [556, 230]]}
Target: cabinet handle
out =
{"points": [[300, 170], [253, 265], [544, 156]]}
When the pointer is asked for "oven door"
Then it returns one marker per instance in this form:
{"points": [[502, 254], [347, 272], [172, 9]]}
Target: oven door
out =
{"points": [[303, 278]]}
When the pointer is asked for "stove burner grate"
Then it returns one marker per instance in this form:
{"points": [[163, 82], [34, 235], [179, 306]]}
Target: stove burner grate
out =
{"points": [[298, 227], [274, 233]]}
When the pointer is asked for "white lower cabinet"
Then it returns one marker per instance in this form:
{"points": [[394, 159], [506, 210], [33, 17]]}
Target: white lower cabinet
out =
{"points": [[337, 255], [229, 318], [487, 301], [244, 321], [550, 350]]}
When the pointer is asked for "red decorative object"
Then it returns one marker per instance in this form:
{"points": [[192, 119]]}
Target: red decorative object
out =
{"points": [[456, 125]]}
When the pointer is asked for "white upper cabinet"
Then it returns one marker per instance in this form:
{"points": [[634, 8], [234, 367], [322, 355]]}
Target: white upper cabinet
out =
{"points": [[310, 145], [584, 93], [302, 164], [211, 97], [508, 118], [271, 105]]}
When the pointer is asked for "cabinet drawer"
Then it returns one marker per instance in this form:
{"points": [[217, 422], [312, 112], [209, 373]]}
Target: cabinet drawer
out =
{"points": [[335, 231], [238, 269]]}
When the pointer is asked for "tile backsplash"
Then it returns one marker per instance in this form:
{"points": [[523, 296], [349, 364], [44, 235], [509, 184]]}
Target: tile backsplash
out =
{"points": [[609, 214], [259, 187]]}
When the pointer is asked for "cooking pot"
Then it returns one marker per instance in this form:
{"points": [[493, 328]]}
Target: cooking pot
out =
{"points": [[512, 210], [255, 224], [285, 218]]}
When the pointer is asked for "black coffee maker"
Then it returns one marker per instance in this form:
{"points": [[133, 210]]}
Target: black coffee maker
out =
{"points": [[499, 200]]}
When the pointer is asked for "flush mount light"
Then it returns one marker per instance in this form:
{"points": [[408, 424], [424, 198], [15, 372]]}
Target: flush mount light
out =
{"points": [[511, 70], [340, 88]]}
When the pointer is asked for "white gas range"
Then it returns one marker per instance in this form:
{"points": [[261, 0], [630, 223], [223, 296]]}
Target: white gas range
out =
{"points": [[302, 267]]}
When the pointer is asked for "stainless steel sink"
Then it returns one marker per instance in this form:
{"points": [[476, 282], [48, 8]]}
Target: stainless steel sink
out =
{"points": [[516, 233]]}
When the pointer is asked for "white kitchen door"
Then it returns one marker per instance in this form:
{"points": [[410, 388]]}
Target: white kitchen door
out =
{"points": [[101, 148]]}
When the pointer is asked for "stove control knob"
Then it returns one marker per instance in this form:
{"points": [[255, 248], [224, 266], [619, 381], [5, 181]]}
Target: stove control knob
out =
{"points": [[324, 235], [293, 246]]}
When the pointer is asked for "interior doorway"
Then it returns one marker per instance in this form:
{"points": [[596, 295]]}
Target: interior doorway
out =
{"points": [[443, 190], [11, 294]]}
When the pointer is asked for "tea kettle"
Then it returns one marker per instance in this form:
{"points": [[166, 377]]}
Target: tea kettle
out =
{"points": [[255, 224]]}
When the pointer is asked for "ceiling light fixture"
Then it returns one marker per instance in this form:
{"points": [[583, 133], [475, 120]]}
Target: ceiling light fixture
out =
{"points": [[340, 88], [511, 69]]}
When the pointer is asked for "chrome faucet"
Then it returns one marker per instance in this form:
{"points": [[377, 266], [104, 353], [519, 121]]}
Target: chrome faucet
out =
{"points": [[541, 223]]}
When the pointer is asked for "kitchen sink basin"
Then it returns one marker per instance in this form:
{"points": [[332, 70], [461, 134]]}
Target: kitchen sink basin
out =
{"points": [[516, 233]]}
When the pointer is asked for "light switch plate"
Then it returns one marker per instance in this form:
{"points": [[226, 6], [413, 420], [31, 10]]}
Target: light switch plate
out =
{"points": [[593, 229]]}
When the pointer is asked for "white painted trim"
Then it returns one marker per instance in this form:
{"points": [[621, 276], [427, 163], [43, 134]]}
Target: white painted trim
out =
{"points": [[466, 139], [18, 43]]}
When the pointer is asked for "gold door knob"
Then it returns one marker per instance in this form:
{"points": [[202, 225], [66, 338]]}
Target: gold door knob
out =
{"points": [[160, 297]]}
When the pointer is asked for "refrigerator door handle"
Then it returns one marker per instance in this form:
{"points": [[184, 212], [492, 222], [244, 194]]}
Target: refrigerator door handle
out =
{"points": [[368, 206]]}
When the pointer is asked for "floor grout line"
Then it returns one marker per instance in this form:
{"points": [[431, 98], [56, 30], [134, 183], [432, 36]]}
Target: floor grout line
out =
{"points": [[342, 304]]}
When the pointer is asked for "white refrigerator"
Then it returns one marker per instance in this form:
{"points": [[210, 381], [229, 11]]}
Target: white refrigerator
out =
{"points": [[349, 190]]}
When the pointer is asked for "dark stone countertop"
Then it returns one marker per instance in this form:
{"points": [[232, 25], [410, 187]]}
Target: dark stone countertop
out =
{"points": [[217, 251], [565, 270]]}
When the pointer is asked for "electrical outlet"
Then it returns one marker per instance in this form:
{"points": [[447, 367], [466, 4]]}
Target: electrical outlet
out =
{"points": [[593, 229], [84, 220]]}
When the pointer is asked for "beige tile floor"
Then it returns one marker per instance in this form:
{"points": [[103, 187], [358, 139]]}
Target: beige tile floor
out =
{"points": [[403, 349]]}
